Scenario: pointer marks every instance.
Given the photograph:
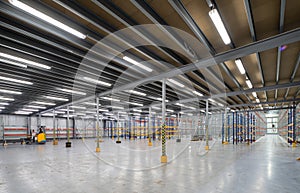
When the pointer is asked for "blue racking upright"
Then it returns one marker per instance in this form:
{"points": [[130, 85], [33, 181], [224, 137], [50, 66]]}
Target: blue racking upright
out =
{"points": [[223, 128], [233, 126], [254, 128], [228, 128], [291, 126]]}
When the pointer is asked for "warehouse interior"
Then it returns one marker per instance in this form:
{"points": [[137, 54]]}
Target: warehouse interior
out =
{"points": [[149, 96]]}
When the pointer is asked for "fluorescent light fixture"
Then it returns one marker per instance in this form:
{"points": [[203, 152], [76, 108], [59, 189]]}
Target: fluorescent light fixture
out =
{"points": [[36, 107], [176, 83], [90, 112], [77, 107], [160, 99], [212, 100], [44, 103], [209, 113], [69, 116], [170, 110], [32, 110], [23, 112], [157, 108], [109, 114], [215, 17], [9, 91], [60, 112], [46, 18], [15, 80], [111, 99], [136, 114], [136, 104], [6, 98], [96, 81], [173, 115], [240, 66], [48, 114], [2, 107], [72, 91], [197, 93], [182, 113], [70, 110], [137, 63], [13, 63], [203, 111], [257, 100], [254, 94], [249, 84], [193, 108], [179, 104], [4, 103], [115, 107], [137, 110], [136, 92], [24, 61], [93, 104], [103, 110], [190, 114], [56, 98], [220, 104]]}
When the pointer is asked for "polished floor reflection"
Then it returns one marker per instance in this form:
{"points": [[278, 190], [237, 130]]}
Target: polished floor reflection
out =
{"points": [[269, 165]]}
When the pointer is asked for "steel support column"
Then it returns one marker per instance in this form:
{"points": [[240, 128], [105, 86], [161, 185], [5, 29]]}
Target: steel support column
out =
{"points": [[55, 142], [68, 143], [206, 126]]}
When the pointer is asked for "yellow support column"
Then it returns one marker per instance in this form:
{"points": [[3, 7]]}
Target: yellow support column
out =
{"points": [[68, 143], [164, 158], [294, 144], [97, 127], [149, 128], [55, 141]]}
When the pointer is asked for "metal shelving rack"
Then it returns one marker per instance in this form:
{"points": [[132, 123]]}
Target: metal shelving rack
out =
{"points": [[297, 127]]}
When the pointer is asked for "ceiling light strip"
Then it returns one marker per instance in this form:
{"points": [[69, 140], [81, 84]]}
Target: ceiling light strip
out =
{"points": [[215, 17], [46, 18], [24, 61], [15, 80], [137, 64]]}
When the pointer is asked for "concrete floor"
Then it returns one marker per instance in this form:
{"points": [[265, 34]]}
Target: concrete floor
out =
{"points": [[133, 167]]}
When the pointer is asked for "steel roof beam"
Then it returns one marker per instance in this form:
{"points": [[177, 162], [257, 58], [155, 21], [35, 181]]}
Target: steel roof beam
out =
{"points": [[281, 25], [253, 35], [155, 18], [259, 46], [234, 93], [293, 74], [181, 10]]}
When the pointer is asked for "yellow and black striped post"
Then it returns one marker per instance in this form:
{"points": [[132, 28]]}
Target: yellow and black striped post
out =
{"points": [[55, 142], [163, 158], [97, 126], [163, 142], [149, 128]]}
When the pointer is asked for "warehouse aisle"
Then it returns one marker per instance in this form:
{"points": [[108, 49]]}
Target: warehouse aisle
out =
{"points": [[266, 166]]}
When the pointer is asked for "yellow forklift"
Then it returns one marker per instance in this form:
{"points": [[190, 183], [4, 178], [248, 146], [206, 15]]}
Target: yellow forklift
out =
{"points": [[41, 135]]}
